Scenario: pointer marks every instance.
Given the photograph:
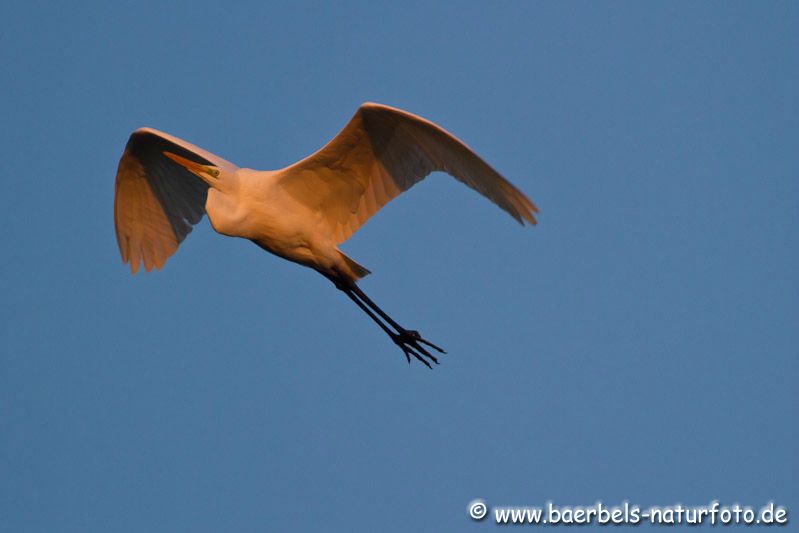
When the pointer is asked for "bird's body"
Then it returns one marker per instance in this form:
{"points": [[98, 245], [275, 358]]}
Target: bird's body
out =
{"points": [[302, 212], [260, 210]]}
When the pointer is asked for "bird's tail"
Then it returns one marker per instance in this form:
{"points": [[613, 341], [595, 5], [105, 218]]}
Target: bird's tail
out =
{"points": [[356, 271]]}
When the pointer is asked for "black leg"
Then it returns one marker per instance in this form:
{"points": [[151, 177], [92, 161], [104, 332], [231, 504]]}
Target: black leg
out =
{"points": [[402, 331], [408, 346], [408, 340]]}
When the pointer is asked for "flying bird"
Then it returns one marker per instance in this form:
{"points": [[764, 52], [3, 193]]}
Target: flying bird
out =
{"points": [[164, 185]]}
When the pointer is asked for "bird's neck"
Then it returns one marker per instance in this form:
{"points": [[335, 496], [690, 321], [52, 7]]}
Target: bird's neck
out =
{"points": [[224, 212]]}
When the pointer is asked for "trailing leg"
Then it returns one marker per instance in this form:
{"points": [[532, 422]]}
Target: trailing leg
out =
{"points": [[409, 341], [408, 332]]}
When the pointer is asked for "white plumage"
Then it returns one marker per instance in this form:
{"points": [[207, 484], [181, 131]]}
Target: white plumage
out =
{"points": [[303, 212]]}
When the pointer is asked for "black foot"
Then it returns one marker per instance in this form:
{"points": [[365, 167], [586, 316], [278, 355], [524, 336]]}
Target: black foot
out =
{"points": [[410, 342]]}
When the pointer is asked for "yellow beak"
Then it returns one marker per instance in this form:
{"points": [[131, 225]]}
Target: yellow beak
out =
{"points": [[201, 170]]}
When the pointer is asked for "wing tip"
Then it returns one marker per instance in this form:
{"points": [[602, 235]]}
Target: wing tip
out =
{"points": [[529, 217], [134, 267]]}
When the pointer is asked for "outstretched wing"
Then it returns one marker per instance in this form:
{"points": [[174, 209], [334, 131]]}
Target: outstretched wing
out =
{"points": [[382, 152], [156, 200]]}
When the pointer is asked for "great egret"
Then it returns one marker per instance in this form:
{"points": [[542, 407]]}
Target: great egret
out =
{"points": [[302, 213]]}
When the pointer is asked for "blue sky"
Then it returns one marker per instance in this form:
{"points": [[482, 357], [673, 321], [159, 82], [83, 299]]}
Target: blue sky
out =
{"points": [[639, 344]]}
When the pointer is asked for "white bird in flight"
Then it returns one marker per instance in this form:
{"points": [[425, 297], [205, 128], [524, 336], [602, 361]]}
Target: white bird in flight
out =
{"points": [[303, 212]]}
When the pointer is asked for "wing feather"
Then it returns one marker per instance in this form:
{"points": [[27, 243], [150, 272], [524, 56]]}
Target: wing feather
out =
{"points": [[157, 201], [382, 152]]}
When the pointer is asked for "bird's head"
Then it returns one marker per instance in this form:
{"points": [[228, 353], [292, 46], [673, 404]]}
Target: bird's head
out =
{"points": [[210, 174]]}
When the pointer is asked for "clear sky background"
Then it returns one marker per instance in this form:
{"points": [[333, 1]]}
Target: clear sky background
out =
{"points": [[639, 344]]}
